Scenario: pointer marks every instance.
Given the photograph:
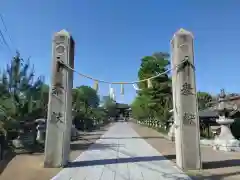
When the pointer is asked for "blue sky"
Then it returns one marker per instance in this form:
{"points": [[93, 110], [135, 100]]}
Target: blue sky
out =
{"points": [[112, 35]]}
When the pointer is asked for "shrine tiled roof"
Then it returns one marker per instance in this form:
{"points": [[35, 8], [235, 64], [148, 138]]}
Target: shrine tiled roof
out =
{"points": [[122, 106], [208, 113], [232, 102]]}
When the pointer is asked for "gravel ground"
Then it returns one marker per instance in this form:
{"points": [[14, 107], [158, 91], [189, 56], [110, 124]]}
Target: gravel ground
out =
{"points": [[216, 165]]}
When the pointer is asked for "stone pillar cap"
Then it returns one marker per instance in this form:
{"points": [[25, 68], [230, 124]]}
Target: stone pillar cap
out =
{"points": [[182, 31], [64, 33]]}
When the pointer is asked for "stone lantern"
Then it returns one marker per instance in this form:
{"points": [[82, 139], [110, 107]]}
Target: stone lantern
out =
{"points": [[41, 129], [171, 132], [225, 141]]}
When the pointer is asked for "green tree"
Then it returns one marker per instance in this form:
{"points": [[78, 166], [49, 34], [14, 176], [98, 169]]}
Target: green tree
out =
{"points": [[159, 95], [100, 114], [85, 101], [140, 108], [204, 100], [110, 105], [85, 98], [20, 93]]}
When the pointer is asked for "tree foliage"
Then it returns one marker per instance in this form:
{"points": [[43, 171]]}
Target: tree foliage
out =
{"points": [[110, 105], [24, 97], [84, 98], [85, 102], [140, 108], [20, 91], [155, 102], [204, 100]]}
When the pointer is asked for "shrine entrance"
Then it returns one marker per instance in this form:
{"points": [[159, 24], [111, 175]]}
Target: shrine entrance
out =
{"points": [[184, 100], [123, 111]]}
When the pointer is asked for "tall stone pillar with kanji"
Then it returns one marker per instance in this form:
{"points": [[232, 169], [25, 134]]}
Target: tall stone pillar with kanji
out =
{"points": [[59, 117], [186, 118]]}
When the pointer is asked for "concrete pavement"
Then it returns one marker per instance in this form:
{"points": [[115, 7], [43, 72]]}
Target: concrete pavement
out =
{"points": [[121, 154]]}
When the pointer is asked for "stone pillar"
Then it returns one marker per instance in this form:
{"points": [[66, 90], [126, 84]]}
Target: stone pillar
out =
{"points": [[186, 119], [59, 121]]}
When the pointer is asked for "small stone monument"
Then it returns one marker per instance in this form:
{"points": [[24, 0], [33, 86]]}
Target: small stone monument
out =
{"points": [[187, 135], [171, 132], [225, 141], [41, 130]]}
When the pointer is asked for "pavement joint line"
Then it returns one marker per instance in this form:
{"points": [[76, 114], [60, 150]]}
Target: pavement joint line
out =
{"points": [[128, 172], [115, 173], [142, 175], [102, 173]]}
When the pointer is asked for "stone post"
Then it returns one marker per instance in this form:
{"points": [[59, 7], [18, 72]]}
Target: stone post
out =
{"points": [[186, 119], [59, 120]]}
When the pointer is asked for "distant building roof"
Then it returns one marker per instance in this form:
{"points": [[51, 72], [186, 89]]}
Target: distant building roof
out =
{"points": [[211, 112], [208, 113], [122, 106]]}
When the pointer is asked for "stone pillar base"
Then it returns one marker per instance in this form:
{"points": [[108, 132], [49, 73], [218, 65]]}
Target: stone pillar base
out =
{"points": [[50, 165], [171, 138]]}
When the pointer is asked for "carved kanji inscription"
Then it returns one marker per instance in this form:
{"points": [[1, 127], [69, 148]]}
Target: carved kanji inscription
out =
{"points": [[186, 89], [188, 118]]}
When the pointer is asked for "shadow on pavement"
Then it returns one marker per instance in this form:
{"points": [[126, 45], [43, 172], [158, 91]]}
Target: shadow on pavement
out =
{"points": [[213, 164], [221, 164], [115, 161], [170, 156], [7, 159], [176, 176], [146, 137], [215, 177], [85, 146]]}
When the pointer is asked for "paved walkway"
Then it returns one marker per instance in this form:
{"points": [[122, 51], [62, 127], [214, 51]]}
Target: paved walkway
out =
{"points": [[121, 154]]}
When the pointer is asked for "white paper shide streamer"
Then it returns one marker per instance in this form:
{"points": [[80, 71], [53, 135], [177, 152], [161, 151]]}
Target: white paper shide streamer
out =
{"points": [[136, 88], [111, 93]]}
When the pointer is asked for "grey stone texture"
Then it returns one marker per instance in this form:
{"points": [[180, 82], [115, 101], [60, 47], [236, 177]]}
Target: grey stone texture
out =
{"points": [[185, 108], [59, 121]]}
